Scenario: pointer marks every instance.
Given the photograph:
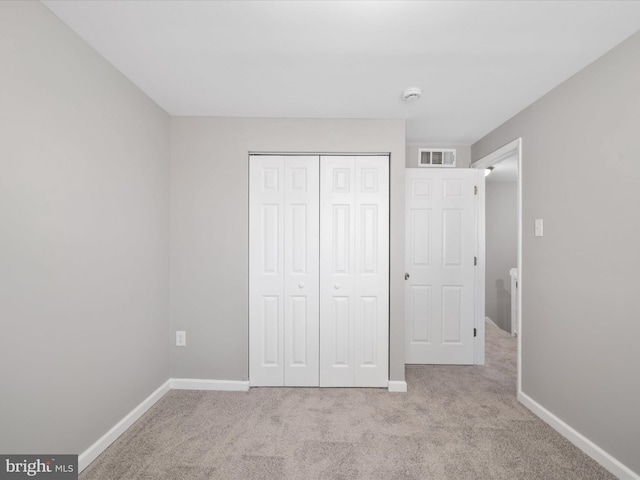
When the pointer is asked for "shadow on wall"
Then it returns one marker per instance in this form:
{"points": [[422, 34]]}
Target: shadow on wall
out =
{"points": [[503, 306]]}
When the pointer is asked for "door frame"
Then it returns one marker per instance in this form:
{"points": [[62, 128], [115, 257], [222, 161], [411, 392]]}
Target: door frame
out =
{"points": [[391, 385], [512, 148]]}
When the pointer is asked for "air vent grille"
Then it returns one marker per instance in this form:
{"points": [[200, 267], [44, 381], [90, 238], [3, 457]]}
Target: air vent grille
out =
{"points": [[436, 157]]}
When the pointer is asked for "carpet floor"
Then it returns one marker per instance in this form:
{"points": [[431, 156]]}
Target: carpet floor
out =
{"points": [[455, 422]]}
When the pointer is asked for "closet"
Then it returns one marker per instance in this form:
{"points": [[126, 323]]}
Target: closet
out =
{"points": [[319, 270]]}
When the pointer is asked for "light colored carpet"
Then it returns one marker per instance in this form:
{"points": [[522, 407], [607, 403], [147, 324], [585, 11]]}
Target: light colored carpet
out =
{"points": [[454, 423]]}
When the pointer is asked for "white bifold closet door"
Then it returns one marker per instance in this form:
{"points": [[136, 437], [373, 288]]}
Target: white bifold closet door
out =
{"points": [[319, 271], [283, 271], [354, 271]]}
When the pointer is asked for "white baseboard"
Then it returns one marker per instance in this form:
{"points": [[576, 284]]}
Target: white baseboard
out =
{"points": [[204, 384], [397, 386], [609, 462], [91, 453], [487, 319]]}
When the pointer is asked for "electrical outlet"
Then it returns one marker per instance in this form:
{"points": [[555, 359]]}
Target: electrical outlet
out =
{"points": [[181, 338]]}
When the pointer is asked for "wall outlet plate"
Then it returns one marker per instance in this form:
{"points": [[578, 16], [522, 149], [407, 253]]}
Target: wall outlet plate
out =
{"points": [[181, 338]]}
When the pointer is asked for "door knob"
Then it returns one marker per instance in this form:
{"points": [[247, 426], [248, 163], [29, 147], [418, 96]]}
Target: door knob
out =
{"points": [[301, 285], [406, 276], [336, 286]]}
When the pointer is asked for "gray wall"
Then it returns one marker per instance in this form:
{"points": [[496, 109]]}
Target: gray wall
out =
{"points": [[209, 228], [83, 238], [501, 241], [463, 154], [581, 307]]}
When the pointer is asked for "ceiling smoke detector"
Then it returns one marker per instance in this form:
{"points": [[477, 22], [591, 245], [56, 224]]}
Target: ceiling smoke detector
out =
{"points": [[412, 93]]}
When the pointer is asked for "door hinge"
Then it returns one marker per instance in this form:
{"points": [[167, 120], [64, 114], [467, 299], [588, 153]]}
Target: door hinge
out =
{"points": [[475, 189], [475, 261], [475, 332]]}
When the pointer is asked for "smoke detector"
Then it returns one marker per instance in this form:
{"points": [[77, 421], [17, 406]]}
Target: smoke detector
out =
{"points": [[412, 93]]}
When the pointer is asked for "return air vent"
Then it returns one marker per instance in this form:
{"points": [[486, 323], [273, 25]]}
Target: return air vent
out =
{"points": [[436, 157]]}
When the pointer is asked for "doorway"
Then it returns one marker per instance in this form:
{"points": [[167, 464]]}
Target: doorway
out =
{"points": [[512, 150]]}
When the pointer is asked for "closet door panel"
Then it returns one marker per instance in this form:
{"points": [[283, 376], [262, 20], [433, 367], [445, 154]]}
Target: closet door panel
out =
{"points": [[266, 270], [301, 271], [354, 271], [337, 237], [371, 275]]}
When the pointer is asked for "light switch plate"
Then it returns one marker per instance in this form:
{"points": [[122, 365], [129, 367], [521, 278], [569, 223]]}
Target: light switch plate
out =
{"points": [[538, 228]]}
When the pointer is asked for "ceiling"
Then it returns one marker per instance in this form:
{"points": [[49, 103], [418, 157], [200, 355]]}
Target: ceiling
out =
{"points": [[478, 62]]}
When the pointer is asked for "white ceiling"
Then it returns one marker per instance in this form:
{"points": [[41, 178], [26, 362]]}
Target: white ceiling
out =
{"points": [[478, 62]]}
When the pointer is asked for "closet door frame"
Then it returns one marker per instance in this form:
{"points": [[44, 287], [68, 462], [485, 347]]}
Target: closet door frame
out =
{"points": [[281, 294]]}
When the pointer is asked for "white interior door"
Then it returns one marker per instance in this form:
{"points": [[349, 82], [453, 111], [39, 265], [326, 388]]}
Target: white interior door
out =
{"points": [[283, 271], [441, 254], [354, 272]]}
